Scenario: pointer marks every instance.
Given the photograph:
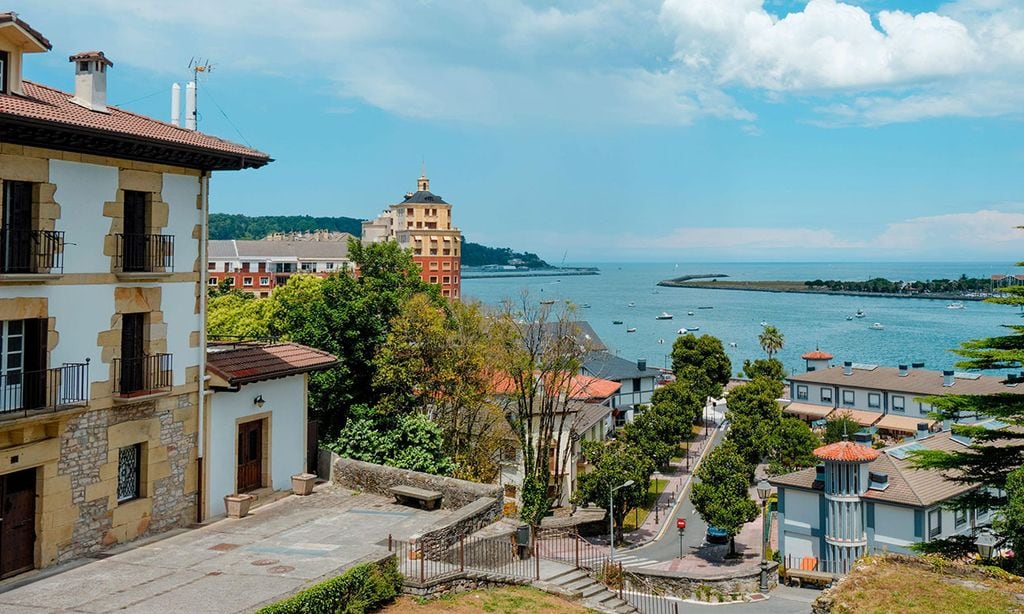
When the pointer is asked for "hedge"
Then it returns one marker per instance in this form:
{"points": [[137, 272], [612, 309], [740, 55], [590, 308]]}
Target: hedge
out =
{"points": [[364, 588]]}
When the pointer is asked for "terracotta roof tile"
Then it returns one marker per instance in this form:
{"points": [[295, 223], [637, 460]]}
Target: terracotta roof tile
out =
{"points": [[41, 102], [817, 355], [246, 363], [915, 382], [847, 451]]}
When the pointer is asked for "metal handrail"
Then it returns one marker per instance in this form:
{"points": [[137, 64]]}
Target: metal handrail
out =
{"points": [[31, 251], [52, 389], [144, 253], [142, 375]]}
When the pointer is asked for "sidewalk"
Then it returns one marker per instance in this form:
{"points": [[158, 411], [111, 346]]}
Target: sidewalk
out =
{"points": [[678, 479]]}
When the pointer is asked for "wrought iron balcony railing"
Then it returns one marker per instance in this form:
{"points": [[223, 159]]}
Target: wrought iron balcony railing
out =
{"points": [[144, 375], [137, 253], [22, 392], [31, 251]]}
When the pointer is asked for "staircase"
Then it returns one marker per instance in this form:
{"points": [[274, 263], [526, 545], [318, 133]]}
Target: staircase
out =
{"points": [[596, 596]]}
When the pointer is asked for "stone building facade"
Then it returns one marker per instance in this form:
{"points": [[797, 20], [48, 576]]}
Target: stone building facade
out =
{"points": [[102, 286]]}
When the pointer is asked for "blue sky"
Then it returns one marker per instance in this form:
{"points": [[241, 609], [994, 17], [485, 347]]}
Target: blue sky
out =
{"points": [[605, 130]]}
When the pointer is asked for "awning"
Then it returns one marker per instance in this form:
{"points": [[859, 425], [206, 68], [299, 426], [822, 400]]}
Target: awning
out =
{"points": [[903, 424], [863, 418], [808, 410]]}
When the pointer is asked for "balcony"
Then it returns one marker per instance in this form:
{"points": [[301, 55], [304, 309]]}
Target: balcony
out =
{"points": [[27, 393], [26, 254], [144, 256], [146, 376]]}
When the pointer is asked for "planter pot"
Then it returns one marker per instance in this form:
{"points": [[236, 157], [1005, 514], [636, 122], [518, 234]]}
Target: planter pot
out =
{"points": [[302, 484], [238, 505]]}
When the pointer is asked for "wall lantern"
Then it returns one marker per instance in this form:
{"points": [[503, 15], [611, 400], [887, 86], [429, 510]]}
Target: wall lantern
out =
{"points": [[258, 401]]}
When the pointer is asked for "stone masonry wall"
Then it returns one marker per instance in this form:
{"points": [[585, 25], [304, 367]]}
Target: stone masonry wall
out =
{"points": [[379, 478], [462, 523], [722, 587], [89, 450]]}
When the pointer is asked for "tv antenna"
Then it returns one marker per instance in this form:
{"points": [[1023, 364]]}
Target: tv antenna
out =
{"points": [[197, 66]]}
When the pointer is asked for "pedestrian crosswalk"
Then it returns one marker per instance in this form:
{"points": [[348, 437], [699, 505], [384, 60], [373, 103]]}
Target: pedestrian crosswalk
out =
{"points": [[629, 560]]}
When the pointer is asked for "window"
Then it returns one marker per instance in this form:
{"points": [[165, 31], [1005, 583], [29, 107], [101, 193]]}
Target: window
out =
{"points": [[636, 384], [212, 281], [874, 400], [826, 395], [408, 211], [935, 523], [211, 266], [433, 266], [849, 397], [447, 265], [923, 408], [129, 473], [245, 267], [801, 392], [899, 404], [330, 266], [455, 279], [264, 281], [230, 280], [433, 279], [959, 518], [247, 281], [285, 267], [3, 72], [446, 279]]}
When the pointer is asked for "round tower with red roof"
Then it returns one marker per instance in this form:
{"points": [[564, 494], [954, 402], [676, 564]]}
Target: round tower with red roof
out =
{"points": [[817, 360], [845, 482]]}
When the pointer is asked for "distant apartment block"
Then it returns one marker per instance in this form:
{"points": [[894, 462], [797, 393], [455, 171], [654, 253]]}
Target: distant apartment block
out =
{"points": [[260, 266], [888, 400], [422, 223]]}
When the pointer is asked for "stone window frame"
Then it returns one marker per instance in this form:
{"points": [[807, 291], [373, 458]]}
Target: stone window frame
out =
{"points": [[141, 453], [158, 211]]}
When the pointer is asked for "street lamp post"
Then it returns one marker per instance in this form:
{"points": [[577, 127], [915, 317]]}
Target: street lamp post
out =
{"points": [[764, 490], [986, 543], [611, 518], [657, 498]]}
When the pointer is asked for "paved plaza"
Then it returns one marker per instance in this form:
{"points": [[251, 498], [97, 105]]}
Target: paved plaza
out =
{"points": [[227, 566]]}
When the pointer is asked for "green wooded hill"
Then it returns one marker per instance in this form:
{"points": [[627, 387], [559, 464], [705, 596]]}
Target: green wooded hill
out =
{"points": [[239, 226]]}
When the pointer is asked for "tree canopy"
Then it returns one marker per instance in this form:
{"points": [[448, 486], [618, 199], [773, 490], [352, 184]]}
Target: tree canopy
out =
{"points": [[794, 447], [754, 416], [721, 494], [839, 427], [770, 368], [770, 340], [614, 463], [702, 363]]}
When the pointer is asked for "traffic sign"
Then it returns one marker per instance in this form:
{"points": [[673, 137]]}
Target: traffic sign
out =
{"points": [[680, 523]]}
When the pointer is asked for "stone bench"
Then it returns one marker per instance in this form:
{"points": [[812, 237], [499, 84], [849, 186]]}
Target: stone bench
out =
{"points": [[428, 499], [799, 577]]}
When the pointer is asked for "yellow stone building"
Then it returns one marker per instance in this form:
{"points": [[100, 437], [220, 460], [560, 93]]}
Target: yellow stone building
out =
{"points": [[102, 267]]}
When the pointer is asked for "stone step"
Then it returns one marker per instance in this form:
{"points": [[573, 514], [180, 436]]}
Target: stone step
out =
{"points": [[568, 577]]}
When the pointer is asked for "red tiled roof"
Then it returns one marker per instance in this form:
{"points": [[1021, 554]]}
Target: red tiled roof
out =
{"points": [[246, 363], [847, 451], [580, 387], [41, 102], [817, 355]]}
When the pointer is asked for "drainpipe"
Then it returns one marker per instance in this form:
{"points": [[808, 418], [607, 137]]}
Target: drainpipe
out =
{"points": [[204, 199]]}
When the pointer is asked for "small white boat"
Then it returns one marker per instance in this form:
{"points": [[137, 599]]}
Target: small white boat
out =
{"points": [[689, 313], [631, 330], [955, 305], [848, 318], [661, 341], [547, 302], [585, 305], [859, 314], [631, 304], [763, 323], [877, 326], [732, 344], [692, 329], [664, 315], [682, 331]]}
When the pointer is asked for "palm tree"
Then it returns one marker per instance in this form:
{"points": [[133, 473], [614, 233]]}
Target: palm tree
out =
{"points": [[771, 340]]}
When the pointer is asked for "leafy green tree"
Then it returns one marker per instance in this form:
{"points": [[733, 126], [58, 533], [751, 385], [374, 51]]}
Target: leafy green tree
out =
{"points": [[754, 416], [349, 317], [793, 447], [771, 340], [232, 315], [680, 401], [1010, 524], [410, 441], [770, 368], [653, 434], [702, 363], [614, 463], [839, 427], [721, 494], [435, 360]]}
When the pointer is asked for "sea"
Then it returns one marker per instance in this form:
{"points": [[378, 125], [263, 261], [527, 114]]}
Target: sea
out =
{"points": [[915, 330]]}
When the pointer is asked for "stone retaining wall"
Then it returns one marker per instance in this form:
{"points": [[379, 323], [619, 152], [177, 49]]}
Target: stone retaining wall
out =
{"points": [[713, 588], [378, 479], [462, 523], [458, 582]]}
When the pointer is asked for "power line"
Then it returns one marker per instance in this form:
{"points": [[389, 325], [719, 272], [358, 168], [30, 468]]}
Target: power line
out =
{"points": [[222, 112], [122, 104]]}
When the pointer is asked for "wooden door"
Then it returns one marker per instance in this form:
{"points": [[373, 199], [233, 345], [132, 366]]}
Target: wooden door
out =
{"points": [[17, 227], [17, 522], [133, 349], [134, 246], [250, 455], [34, 392]]}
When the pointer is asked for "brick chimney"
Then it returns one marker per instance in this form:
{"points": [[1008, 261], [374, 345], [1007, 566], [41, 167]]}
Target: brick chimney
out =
{"points": [[91, 80]]}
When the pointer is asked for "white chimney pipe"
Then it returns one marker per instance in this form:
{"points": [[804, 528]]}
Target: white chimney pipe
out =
{"points": [[190, 106], [176, 105]]}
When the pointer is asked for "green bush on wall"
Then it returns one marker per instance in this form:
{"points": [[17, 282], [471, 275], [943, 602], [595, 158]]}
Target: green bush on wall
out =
{"points": [[364, 588]]}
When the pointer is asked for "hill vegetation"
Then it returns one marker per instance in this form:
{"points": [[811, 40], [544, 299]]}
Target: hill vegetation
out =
{"points": [[885, 286], [239, 226]]}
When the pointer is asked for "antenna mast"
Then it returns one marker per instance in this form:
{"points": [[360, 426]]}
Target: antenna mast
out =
{"points": [[197, 66]]}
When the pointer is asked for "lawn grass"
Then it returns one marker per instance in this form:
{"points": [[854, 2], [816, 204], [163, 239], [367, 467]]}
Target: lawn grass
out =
{"points": [[636, 516], [887, 584], [507, 600]]}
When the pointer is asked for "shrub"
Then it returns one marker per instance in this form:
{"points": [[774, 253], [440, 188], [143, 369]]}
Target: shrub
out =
{"points": [[364, 588]]}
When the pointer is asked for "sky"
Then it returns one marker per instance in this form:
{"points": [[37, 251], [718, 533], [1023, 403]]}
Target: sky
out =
{"points": [[631, 130]]}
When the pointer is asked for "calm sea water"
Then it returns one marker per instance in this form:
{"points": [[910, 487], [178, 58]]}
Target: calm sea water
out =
{"points": [[915, 329]]}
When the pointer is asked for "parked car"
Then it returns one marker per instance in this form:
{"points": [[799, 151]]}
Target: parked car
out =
{"points": [[717, 536]]}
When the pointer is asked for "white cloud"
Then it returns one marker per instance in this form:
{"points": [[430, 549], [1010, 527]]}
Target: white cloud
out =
{"points": [[979, 232]]}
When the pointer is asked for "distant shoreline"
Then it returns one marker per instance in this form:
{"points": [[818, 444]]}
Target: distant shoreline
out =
{"points": [[552, 272], [798, 287]]}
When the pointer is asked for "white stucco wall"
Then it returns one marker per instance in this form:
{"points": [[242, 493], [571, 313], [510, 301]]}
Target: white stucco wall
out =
{"points": [[894, 526], [285, 401], [178, 303], [81, 191], [802, 509], [180, 192]]}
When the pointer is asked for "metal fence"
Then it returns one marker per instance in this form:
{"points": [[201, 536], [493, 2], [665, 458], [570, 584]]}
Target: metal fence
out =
{"points": [[424, 560], [49, 389]]}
